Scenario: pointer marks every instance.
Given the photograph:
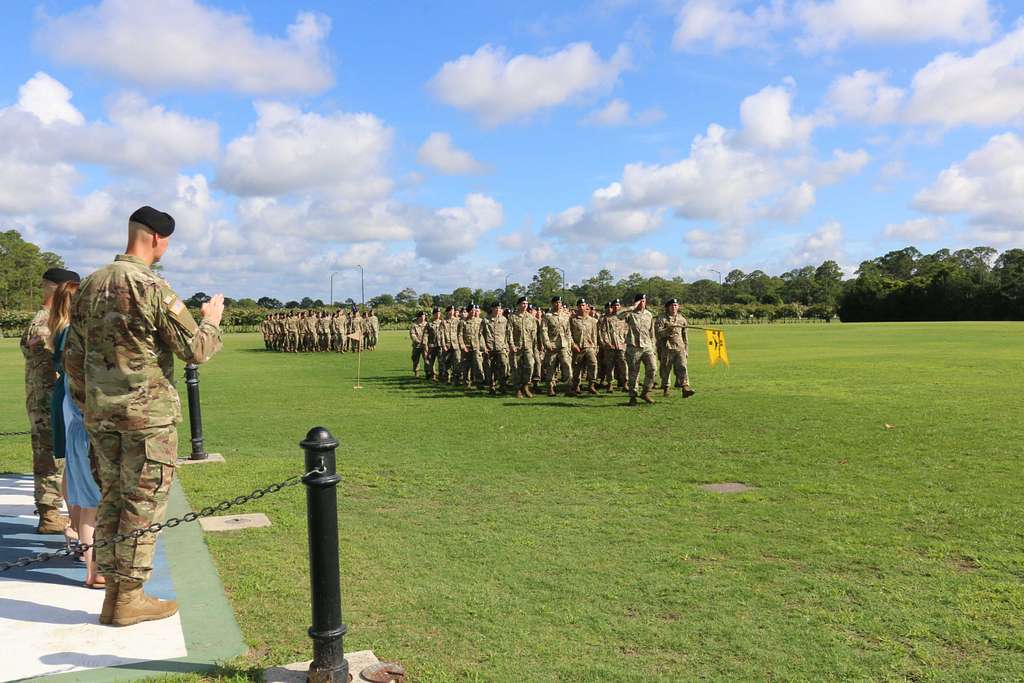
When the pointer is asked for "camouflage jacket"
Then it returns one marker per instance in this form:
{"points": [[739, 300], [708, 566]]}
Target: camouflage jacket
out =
{"points": [[39, 372], [671, 332], [584, 332], [522, 331], [554, 330], [471, 334], [417, 333], [639, 328], [496, 333], [611, 332], [127, 324], [434, 333]]}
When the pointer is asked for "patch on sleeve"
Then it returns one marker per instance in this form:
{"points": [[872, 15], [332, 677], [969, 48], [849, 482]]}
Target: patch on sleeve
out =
{"points": [[177, 307]]}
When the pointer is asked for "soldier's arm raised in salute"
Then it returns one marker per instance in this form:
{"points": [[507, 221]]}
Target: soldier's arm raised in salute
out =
{"points": [[190, 342]]}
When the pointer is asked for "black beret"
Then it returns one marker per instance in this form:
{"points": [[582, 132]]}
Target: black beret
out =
{"points": [[493, 305], [556, 299], [639, 297], [473, 305], [671, 301], [608, 304], [420, 314], [435, 309], [59, 275], [450, 308], [616, 302], [523, 300], [159, 222], [580, 301]]}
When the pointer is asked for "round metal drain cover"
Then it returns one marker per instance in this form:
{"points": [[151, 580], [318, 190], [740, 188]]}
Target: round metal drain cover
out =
{"points": [[383, 672]]}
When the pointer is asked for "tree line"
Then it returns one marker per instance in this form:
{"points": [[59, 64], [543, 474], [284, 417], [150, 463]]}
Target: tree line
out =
{"points": [[965, 284]]}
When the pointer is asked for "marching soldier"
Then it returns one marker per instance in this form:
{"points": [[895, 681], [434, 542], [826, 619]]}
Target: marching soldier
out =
{"points": [[434, 333], [583, 328], [417, 335], [450, 344], [495, 331], [557, 340], [123, 374], [47, 470], [471, 344], [372, 329], [671, 332], [523, 332], [640, 348], [613, 334]]}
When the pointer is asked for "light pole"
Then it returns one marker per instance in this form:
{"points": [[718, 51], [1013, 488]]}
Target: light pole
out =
{"points": [[504, 292], [362, 290], [333, 273], [563, 279], [719, 274]]}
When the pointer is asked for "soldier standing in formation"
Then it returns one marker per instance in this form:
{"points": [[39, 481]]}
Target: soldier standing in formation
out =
{"points": [[127, 324], [671, 332], [435, 346], [452, 363], [583, 328], [612, 340], [640, 348], [557, 339], [495, 331], [523, 332], [471, 345], [47, 470], [418, 336]]}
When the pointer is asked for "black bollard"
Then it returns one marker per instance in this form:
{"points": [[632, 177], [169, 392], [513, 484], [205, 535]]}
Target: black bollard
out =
{"points": [[195, 416], [327, 631]]}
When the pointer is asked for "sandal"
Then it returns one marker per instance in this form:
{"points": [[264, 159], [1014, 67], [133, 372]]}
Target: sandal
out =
{"points": [[99, 584]]}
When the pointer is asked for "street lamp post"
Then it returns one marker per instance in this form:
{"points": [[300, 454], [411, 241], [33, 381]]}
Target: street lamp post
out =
{"points": [[562, 272], [332, 286], [362, 290], [504, 292]]}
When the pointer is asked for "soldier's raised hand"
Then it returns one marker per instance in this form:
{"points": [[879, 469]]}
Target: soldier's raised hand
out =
{"points": [[213, 309]]}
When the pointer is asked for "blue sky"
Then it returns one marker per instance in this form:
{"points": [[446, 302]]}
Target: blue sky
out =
{"points": [[449, 144]]}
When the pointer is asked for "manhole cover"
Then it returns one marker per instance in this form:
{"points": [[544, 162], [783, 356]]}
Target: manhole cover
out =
{"points": [[727, 487], [383, 672]]}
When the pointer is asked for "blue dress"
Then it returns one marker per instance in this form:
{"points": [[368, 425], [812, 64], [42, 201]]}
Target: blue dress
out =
{"points": [[82, 488]]}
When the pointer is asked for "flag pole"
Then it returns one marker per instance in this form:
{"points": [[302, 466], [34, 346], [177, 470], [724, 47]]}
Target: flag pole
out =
{"points": [[359, 360]]}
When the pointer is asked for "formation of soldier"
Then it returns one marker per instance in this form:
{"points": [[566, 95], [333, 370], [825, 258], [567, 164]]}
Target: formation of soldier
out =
{"points": [[528, 348], [309, 331]]}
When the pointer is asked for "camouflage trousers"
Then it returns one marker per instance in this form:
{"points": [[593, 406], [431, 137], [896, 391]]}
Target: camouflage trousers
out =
{"points": [[473, 366], [635, 357], [584, 363], [136, 470], [558, 359], [47, 471], [615, 367], [450, 365], [672, 360], [499, 370], [523, 366], [417, 355], [431, 362]]}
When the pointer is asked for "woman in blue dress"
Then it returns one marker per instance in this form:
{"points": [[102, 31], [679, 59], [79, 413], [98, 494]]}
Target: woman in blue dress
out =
{"points": [[70, 439]]}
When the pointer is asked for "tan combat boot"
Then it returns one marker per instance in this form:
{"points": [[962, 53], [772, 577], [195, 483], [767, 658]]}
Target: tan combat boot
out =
{"points": [[551, 390], [664, 392], [109, 601], [632, 400], [688, 391], [592, 388], [519, 394], [51, 521], [526, 390], [134, 607], [646, 397]]}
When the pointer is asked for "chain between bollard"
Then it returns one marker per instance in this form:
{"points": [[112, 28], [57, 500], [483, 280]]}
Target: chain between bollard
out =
{"points": [[168, 524]]}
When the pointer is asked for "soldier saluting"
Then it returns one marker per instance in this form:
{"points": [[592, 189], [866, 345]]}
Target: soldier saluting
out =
{"points": [[127, 324], [671, 331]]}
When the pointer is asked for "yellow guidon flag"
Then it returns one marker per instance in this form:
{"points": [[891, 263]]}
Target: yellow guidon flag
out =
{"points": [[716, 347]]}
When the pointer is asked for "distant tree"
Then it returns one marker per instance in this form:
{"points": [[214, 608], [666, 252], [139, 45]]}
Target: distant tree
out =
{"points": [[828, 283], [406, 296], [268, 302], [426, 301], [246, 303], [197, 299], [599, 288], [703, 291], [293, 304], [382, 300], [544, 285], [22, 265], [462, 296]]}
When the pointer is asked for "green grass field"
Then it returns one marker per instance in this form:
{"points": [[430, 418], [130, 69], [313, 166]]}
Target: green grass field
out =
{"points": [[490, 539]]}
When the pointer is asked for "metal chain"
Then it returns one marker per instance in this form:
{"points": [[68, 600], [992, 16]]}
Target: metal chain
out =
{"points": [[15, 433], [168, 524]]}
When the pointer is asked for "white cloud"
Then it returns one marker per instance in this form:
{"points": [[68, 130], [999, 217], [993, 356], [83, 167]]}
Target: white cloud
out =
{"points": [[602, 226], [438, 152], [448, 233], [825, 243], [828, 24], [865, 96], [498, 88], [987, 187], [768, 120], [287, 151], [841, 165], [915, 230], [183, 43], [48, 99], [26, 187], [618, 113], [719, 25], [722, 244], [984, 89]]}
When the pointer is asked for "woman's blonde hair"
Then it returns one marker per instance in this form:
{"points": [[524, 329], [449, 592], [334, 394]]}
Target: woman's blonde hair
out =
{"points": [[60, 310]]}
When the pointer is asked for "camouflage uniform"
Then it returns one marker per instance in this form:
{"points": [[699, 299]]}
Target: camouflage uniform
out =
{"points": [[557, 341], [611, 334], [127, 324], [522, 337], [495, 332], [640, 349], [452, 353], [471, 343], [434, 365], [584, 337], [417, 335], [47, 470], [671, 332]]}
